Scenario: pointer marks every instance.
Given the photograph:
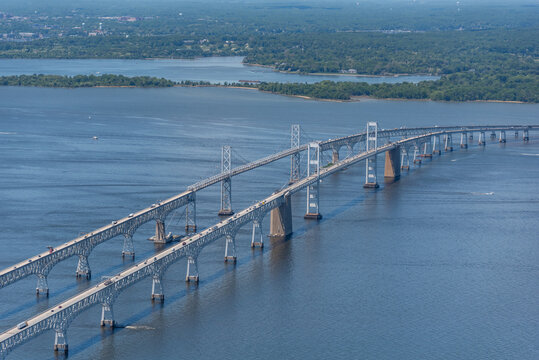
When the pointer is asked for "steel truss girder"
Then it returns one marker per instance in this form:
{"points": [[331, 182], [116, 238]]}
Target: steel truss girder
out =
{"points": [[103, 292], [83, 245]]}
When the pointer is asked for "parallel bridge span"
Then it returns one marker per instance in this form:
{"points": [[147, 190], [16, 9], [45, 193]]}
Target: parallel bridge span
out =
{"points": [[41, 264], [105, 293]]}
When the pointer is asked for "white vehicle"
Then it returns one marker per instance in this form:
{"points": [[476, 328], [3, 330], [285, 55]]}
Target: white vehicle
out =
{"points": [[22, 325]]}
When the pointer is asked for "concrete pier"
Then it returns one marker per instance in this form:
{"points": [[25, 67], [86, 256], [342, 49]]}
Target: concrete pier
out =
{"points": [[335, 157], [281, 219], [392, 169]]}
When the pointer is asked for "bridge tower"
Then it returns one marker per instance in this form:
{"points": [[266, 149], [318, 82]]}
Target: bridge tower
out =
{"points": [[313, 167], [191, 215], [226, 184], [371, 143], [295, 142], [463, 140]]}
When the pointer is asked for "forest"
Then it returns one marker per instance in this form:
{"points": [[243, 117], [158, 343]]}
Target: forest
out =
{"points": [[484, 50], [83, 81]]}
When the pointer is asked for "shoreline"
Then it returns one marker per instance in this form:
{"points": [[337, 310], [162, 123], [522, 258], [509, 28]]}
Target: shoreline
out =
{"points": [[304, 97]]}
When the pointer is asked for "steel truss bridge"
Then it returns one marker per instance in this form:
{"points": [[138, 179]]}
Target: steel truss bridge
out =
{"points": [[401, 146]]}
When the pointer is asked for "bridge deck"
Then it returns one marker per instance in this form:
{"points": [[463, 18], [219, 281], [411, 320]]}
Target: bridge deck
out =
{"points": [[128, 224]]}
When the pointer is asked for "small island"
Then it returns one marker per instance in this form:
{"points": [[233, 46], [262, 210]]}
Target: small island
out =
{"points": [[454, 87]]}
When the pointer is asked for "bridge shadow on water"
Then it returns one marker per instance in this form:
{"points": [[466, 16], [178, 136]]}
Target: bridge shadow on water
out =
{"points": [[82, 284], [210, 279]]}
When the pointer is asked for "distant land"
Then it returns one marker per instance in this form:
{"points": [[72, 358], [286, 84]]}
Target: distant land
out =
{"points": [[483, 50], [440, 90]]}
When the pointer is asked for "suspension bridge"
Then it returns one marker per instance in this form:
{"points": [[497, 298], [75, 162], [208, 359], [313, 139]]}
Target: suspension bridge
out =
{"points": [[401, 146]]}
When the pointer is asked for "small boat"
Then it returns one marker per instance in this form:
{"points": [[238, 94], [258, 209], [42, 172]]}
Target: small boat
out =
{"points": [[95, 138]]}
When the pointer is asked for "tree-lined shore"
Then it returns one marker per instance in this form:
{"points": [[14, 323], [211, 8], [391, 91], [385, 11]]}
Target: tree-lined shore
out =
{"points": [[456, 87]]}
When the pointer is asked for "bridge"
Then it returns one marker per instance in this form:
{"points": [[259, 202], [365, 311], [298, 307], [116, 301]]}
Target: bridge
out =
{"points": [[401, 147]]}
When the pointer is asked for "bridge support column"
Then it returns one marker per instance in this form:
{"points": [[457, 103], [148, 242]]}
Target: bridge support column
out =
{"points": [[482, 140], [42, 284], [463, 140], [83, 267], [257, 234], [426, 152], [436, 145], [371, 143], [226, 184], [60, 340], [526, 136], [313, 190], [295, 159], [281, 219], [502, 138], [192, 269], [448, 142], [516, 134], [417, 157], [405, 159], [191, 216], [157, 288], [335, 156], [160, 235], [230, 248], [392, 168], [107, 315], [129, 247]]}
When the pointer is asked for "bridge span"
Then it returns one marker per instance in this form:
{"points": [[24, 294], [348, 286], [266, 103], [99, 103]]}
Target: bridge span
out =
{"points": [[416, 145]]}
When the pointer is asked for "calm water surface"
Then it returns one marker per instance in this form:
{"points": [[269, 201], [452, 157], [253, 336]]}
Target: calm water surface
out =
{"points": [[442, 264], [212, 69]]}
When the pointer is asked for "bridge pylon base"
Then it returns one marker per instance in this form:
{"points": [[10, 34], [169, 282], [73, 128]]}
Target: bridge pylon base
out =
{"points": [[405, 167], [371, 185], [311, 216], [463, 146], [437, 152], [84, 274], [225, 212], [158, 297], [109, 323], [232, 259], [449, 149], [61, 348]]}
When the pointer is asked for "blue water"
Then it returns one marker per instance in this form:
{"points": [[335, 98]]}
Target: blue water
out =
{"points": [[442, 264], [212, 69]]}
